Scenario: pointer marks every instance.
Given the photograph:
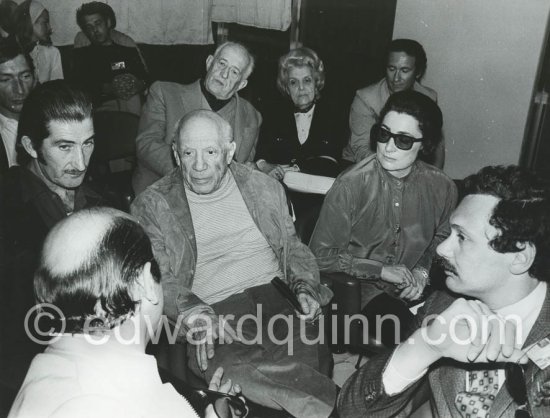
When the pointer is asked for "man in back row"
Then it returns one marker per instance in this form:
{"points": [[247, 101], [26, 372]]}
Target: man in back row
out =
{"points": [[405, 66], [227, 73], [16, 82], [113, 75], [468, 350], [221, 232]]}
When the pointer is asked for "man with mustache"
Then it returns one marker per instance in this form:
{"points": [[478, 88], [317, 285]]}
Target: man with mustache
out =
{"points": [[480, 348], [55, 141], [405, 67], [227, 73]]}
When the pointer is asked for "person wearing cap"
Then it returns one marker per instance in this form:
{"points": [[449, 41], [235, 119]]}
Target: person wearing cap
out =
{"points": [[32, 30]]}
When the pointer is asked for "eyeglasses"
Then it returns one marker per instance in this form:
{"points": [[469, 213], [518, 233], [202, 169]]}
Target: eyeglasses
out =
{"points": [[515, 383], [225, 405], [402, 141]]}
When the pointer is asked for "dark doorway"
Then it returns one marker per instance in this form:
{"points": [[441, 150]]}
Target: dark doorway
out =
{"points": [[351, 37], [535, 153]]}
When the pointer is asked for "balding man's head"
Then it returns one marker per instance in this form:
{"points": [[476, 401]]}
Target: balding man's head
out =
{"points": [[203, 148], [228, 70], [90, 264]]}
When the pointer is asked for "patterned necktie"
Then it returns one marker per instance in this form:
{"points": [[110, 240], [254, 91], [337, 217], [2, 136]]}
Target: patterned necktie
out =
{"points": [[477, 402]]}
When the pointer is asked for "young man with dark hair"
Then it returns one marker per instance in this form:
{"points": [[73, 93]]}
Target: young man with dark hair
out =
{"points": [[55, 142], [16, 82], [114, 75], [405, 67], [482, 347]]}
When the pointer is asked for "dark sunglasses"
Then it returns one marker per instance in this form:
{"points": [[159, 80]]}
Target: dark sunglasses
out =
{"points": [[402, 141], [517, 388]]}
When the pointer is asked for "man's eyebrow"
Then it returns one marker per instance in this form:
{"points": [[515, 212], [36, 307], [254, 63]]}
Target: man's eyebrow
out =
{"points": [[63, 141], [459, 228], [70, 141]]}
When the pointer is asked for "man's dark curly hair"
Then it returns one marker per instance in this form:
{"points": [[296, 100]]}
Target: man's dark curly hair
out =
{"points": [[522, 216], [92, 8]]}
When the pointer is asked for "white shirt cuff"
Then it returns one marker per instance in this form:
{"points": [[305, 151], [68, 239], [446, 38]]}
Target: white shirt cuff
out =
{"points": [[395, 381]]}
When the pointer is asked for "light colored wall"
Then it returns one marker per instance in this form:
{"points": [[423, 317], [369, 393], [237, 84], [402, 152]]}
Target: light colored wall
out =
{"points": [[482, 60]]}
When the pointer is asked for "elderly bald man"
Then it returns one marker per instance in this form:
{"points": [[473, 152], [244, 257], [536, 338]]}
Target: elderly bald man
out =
{"points": [[98, 272], [221, 231]]}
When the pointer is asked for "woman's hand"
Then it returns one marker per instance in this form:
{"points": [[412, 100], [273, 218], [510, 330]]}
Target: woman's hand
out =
{"points": [[412, 293], [274, 170], [399, 275]]}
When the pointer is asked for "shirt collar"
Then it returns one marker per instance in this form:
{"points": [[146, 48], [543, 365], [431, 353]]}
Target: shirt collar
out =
{"points": [[527, 309]]}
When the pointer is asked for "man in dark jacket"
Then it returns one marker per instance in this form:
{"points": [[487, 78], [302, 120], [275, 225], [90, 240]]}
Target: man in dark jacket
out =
{"points": [[55, 142]]}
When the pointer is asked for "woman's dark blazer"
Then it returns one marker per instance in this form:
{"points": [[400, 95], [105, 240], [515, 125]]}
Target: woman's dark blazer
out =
{"points": [[278, 142]]}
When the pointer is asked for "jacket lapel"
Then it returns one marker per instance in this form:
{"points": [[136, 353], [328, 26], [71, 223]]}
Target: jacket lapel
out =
{"points": [[4, 165], [179, 199], [238, 130], [540, 329], [446, 382]]}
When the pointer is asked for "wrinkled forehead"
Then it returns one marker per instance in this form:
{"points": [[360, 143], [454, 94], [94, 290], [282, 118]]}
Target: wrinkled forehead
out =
{"points": [[203, 132], [235, 55]]}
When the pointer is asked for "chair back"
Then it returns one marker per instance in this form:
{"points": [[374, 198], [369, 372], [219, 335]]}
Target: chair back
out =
{"points": [[115, 135]]}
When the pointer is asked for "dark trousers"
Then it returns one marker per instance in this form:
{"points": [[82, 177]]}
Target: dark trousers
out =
{"points": [[279, 369], [399, 319]]}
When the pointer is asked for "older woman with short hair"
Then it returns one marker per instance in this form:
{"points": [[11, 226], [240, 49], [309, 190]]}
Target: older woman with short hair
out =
{"points": [[304, 131], [383, 218]]}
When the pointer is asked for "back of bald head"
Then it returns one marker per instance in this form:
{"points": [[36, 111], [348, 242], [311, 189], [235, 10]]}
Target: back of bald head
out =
{"points": [[192, 124], [89, 264]]}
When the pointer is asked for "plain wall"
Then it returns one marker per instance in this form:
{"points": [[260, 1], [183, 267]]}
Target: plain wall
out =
{"points": [[482, 60]]}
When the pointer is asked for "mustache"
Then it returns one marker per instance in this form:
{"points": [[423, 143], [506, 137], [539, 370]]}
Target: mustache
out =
{"points": [[446, 265]]}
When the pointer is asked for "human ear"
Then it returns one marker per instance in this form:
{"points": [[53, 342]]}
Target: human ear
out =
{"points": [[231, 151], [209, 62], [242, 85], [176, 154], [147, 285], [523, 259], [27, 144]]}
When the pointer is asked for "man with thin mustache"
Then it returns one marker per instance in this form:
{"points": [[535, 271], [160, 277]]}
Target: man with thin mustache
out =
{"points": [[482, 348], [55, 141]]}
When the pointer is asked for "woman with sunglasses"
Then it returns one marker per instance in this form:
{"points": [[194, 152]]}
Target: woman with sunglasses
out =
{"points": [[383, 218]]}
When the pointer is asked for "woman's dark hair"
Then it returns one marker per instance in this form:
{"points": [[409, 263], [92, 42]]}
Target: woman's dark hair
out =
{"points": [[424, 110]]}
